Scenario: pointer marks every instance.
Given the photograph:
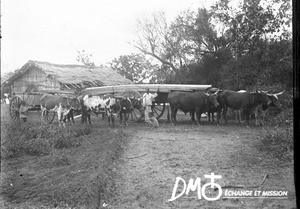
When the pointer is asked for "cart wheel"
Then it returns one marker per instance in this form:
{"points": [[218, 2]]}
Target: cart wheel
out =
{"points": [[14, 108], [137, 115], [48, 116], [158, 109]]}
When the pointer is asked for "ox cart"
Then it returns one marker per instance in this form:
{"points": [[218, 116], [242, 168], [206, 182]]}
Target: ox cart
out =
{"points": [[32, 101], [137, 90]]}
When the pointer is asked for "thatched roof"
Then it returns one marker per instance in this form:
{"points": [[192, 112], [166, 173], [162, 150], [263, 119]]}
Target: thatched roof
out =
{"points": [[74, 74]]}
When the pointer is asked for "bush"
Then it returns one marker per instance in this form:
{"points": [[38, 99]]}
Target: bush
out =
{"points": [[38, 139], [37, 146], [277, 139], [284, 118], [60, 158], [279, 142]]}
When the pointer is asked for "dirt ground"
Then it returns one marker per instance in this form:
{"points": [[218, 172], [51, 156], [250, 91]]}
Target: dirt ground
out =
{"points": [[154, 157]]}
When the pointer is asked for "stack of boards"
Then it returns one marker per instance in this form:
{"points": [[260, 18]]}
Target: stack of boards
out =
{"points": [[142, 88]]}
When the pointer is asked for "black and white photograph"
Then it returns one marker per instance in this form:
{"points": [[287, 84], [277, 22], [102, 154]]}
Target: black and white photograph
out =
{"points": [[155, 104]]}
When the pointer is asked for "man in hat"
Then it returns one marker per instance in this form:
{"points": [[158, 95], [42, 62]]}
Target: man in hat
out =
{"points": [[147, 103]]}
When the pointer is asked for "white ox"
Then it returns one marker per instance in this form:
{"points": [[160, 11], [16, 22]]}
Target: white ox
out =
{"points": [[97, 104]]}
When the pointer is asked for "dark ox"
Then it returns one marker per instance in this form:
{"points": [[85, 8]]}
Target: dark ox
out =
{"points": [[215, 109], [243, 100], [76, 107], [262, 109], [126, 106], [136, 104], [110, 105], [60, 104], [192, 102]]}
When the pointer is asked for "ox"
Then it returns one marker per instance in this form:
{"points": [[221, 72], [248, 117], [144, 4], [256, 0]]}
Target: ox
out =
{"points": [[110, 105], [261, 110], [192, 102], [212, 110], [126, 106], [243, 100], [59, 104], [137, 104], [76, 107], [96, 105]]}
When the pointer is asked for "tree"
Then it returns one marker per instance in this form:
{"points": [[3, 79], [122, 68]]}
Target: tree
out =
{"points": [[226, 46], [135, 67], [163, 42], [4, 87], [85, 58], [251, 30], [181, 44]]}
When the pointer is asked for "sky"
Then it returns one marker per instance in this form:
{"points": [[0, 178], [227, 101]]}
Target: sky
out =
{"points": [[54, 30]]}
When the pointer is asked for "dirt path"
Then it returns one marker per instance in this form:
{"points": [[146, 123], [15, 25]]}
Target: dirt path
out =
{"points": [[155, 157]]}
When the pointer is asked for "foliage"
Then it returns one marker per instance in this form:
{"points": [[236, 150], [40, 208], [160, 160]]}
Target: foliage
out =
{"points": [[85, 58], [60, 158], [279, 138], [279, 142], [38, 139], [6, 88], [135, 67], [163, 42], [236, 47], [282, 119], [80, 177]]}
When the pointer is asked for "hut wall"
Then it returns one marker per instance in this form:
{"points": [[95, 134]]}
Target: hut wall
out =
{"points": [[34, 80]]}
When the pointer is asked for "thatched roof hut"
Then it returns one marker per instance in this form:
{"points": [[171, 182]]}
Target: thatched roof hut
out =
{"points": [[44, 76]]}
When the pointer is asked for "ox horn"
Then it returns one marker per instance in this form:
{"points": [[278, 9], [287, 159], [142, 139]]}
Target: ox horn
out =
{"points": [[216, 93], [207, 94], [280, 93], [266, 91]]}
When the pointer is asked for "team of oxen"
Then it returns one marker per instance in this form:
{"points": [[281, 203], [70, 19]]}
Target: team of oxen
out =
{"points": [[257, 103], [66, 107], [198, 102]]}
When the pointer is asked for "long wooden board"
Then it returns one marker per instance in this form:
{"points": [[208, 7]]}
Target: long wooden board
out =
{"points": [[143, 88]]}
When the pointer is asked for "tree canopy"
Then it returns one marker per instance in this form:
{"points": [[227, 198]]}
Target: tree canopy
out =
{"points": [[230, 46], [135, 67], [237, 46]]}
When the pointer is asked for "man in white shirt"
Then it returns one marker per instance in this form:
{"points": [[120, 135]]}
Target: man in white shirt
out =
{"points": [[6, 98], [147, 103]]}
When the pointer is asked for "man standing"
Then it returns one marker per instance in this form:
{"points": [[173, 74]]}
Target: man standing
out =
{"points": [[6, 98], [23, 111], [147, 103]]}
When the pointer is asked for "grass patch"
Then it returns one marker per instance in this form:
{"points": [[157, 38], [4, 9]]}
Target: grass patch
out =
{"points": [[67, 175], [36, 139], [278, 140]]}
